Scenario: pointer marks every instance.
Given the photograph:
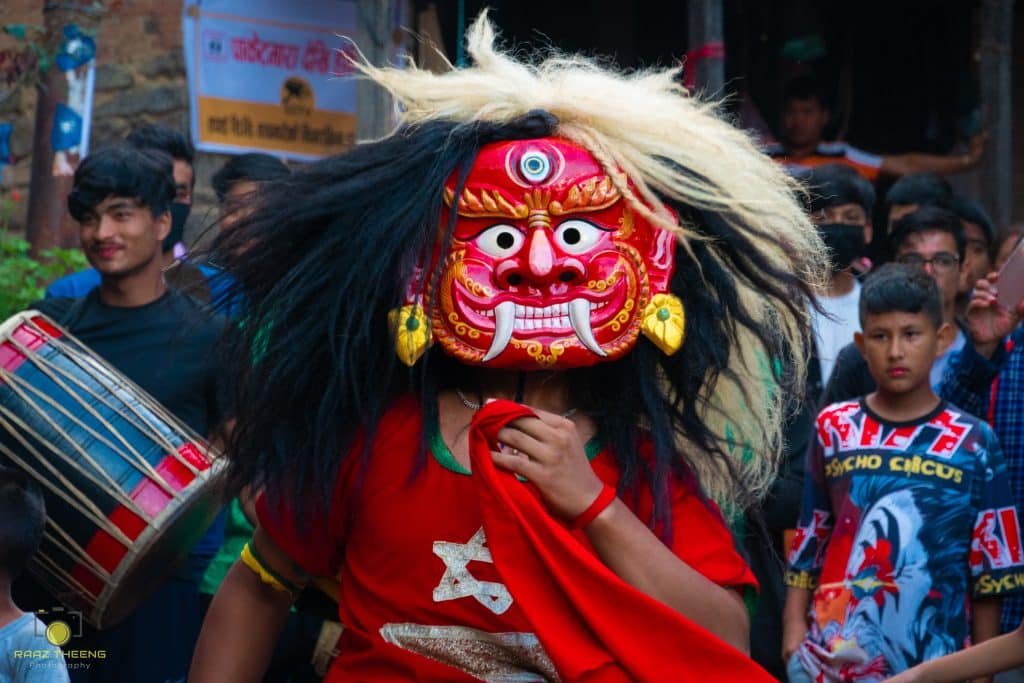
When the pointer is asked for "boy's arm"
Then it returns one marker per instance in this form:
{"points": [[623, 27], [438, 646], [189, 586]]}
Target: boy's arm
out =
{"points": [[794, 620], [241, 628], [997, 654], [985, 624]]}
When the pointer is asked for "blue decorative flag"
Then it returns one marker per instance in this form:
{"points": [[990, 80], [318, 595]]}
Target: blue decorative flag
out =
{"points": [[75, 50], [5, 143], [67, 129]]}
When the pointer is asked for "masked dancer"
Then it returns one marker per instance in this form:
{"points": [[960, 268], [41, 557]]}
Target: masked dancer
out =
{"points": [[495, 369]]}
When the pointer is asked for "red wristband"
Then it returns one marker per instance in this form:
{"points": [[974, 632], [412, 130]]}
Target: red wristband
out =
{"points": [[603, 500]]}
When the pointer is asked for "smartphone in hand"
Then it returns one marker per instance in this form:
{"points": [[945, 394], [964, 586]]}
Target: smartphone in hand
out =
{"points": [[1011, 279]]}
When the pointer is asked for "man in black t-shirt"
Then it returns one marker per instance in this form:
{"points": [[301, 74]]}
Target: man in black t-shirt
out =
{"points": [[161, 339], [165, 346]]}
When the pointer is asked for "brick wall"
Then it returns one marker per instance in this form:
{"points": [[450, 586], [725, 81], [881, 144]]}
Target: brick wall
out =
{"points": [[140, 78]]}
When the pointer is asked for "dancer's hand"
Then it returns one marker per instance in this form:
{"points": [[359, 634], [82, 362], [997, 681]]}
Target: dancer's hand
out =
{"points": [[548, 452]]}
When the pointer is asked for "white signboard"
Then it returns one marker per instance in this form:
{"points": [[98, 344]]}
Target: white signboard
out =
{"points": [[271, 75]]}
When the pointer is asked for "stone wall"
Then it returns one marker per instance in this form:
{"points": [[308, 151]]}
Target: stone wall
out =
{"points": [[140, 78]]}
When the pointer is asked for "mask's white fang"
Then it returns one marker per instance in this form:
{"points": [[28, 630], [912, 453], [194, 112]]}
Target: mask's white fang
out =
{"points": [[579, 318], [504, 320]]}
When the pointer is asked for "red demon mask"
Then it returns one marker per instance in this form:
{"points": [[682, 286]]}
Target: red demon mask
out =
{"points": [[548, 266]]}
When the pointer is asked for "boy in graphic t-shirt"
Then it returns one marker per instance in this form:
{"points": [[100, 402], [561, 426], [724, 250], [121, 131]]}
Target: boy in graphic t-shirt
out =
{"points": [[907, 527]]}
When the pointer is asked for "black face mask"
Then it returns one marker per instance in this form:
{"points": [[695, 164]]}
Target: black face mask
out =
{"points": [[179, 214], [845, 243]]}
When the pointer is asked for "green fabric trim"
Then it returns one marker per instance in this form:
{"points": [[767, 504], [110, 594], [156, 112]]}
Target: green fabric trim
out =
{"points": [[260, 343], [737, 524], [751, 600], [237, 532], [736, 521], [444, 457], [261, 340]]}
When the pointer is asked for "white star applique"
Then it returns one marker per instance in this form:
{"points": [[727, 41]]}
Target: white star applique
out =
{"points": [[457, 582]]}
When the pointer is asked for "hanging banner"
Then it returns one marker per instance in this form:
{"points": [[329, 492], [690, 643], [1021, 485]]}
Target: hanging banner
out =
{"points": [[72, 120], [271, 76]]}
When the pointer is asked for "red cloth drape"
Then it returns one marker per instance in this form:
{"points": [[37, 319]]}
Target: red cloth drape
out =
{"points": [[593, 625]]}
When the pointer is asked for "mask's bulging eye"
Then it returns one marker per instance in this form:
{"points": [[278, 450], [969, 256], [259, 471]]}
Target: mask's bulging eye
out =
{"points": [[576, 236], [535, 166], [500, 241]]}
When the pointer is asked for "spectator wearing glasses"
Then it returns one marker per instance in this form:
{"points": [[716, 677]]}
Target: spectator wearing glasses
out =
{"points": [[930, 237]]}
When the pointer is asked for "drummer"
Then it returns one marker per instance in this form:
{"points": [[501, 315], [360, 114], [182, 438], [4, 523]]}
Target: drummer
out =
{"points": [[161, 339]]}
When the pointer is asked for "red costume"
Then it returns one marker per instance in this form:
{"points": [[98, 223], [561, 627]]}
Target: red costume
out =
{"points": [[494, 587]]}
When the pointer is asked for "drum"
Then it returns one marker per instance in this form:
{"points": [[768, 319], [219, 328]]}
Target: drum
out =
{"points": [[128, 488]]}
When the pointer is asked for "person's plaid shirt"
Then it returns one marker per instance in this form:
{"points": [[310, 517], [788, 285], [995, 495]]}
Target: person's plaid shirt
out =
{"points": [[993, 390]]}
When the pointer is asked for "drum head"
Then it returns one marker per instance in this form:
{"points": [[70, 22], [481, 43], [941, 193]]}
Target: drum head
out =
{"points": [[160, 553]]}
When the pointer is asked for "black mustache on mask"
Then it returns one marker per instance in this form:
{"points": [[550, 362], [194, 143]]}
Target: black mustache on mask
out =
{"points": [[179, 216], [845, 243]]}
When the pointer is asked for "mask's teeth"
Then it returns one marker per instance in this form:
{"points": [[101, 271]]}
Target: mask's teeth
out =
{"points": [[579, 318], [504, 320]]}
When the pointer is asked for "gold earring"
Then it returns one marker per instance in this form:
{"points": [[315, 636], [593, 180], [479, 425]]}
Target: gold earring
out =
{"points": [[411, 331], [664, 322]]}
